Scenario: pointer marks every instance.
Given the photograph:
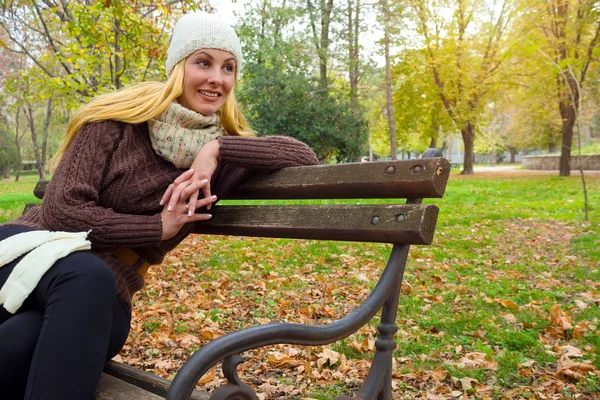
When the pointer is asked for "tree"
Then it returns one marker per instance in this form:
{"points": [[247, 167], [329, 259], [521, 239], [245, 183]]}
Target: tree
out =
{"points": [[8, 153], [464, 54], [281, 93], [566, 34], [290, 103], [85, 48], [26, 101], [417, 105], [320, 23], [76, 50], [270, 36], [353, 14], [533, 121], [388, 78], [10, 107], [18, 140]]}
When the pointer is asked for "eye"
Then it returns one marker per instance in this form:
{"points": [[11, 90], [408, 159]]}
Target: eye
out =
{"points": [[202, 63], [229, 68]]}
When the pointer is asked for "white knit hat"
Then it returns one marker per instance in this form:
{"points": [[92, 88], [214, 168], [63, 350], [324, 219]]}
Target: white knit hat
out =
{"points": [[202, 31]]}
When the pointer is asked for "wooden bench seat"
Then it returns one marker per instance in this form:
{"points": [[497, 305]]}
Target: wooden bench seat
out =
{"points": [[121, 381]]}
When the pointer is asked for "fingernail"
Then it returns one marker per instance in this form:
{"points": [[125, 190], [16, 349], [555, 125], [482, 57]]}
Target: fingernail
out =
{"points": [[209, 215], [161, 203], [190, 213], [169, 208], [213, 197], [192, 169], [205, 181]]}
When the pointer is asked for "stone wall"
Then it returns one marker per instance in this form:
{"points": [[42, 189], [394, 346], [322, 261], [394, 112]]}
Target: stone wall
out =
{"points": [[590, 162]]}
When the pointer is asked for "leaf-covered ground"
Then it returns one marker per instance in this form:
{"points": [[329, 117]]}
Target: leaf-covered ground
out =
{"points": [[504, 305]]}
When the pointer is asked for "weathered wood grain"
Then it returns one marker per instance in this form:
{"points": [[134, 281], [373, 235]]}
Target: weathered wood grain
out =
{"points": [[426, 177], [400, 224], [145, 380], [111, 388]]}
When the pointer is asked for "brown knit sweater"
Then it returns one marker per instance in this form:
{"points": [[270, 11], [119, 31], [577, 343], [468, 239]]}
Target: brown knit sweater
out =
{"points": [[110, 181]]}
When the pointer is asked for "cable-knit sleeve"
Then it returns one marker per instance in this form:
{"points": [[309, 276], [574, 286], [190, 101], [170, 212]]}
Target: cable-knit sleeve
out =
{"points": [[266, 153], [71, 202]]}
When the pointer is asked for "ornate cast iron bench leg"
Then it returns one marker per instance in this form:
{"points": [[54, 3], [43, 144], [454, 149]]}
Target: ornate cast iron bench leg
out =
{"points": [[229, 347]]}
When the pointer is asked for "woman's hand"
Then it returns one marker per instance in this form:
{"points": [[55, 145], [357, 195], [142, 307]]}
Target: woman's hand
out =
{"points": [[177, 216], [204, 166]]}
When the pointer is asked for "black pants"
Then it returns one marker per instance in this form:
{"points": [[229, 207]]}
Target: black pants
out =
{"points": [[56, 344]]}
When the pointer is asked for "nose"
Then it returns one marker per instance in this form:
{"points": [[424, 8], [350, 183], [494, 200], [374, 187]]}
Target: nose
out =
{"points": [[215, 78]]}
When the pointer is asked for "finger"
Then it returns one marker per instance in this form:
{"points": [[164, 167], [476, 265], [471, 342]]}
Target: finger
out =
{"points": [[177, 195], [192, 188], [206, 191], [205, 202], [167, 194], [193, 197], [185, 176], [201, 217], [192, 203]]}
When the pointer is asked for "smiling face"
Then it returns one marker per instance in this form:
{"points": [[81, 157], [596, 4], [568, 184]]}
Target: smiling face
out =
{"points": [[208, 80]]}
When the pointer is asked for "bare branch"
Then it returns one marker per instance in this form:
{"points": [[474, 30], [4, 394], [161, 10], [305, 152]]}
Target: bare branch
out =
{"points": [[51, 39], [593, 43], [25, 51]]}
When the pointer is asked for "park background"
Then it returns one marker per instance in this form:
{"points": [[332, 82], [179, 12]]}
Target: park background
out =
{"points": [[504, 304]]}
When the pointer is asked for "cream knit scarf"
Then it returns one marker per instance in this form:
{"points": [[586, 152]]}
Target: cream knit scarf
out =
{"points": [[179, 133]]}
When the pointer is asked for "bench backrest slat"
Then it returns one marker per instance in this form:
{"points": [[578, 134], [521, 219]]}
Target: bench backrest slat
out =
{"points": [[399, 224], [425, 177]]}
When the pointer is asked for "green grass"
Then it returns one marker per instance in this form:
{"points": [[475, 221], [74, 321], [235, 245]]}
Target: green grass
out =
{"points": [[15, 195]]}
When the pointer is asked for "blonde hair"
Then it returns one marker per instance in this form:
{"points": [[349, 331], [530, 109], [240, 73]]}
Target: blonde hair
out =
{"points": [[145, 101]]}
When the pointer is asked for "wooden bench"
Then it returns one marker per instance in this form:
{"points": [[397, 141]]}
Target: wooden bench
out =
{"points": [[398, 224]]}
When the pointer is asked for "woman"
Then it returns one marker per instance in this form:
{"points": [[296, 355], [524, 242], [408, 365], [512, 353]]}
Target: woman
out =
{"points": [[125, 176]]}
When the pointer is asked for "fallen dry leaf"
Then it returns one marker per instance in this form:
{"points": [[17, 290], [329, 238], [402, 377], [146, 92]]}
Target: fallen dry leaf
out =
{"points": [[327, 356], [209, 376], [508, 304]]}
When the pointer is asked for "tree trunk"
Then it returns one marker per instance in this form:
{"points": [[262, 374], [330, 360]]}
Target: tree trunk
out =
{"points": [[567, 140], [6, 173], [356, 47], [36, 149], [468, 135], [568, 113], [18, 145], [325, 23], [444, 146], [434, 137], [433, 143], [45, 132], [321, 39], [388, 81], [513, 155], [353, 23], [118, 67]]}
